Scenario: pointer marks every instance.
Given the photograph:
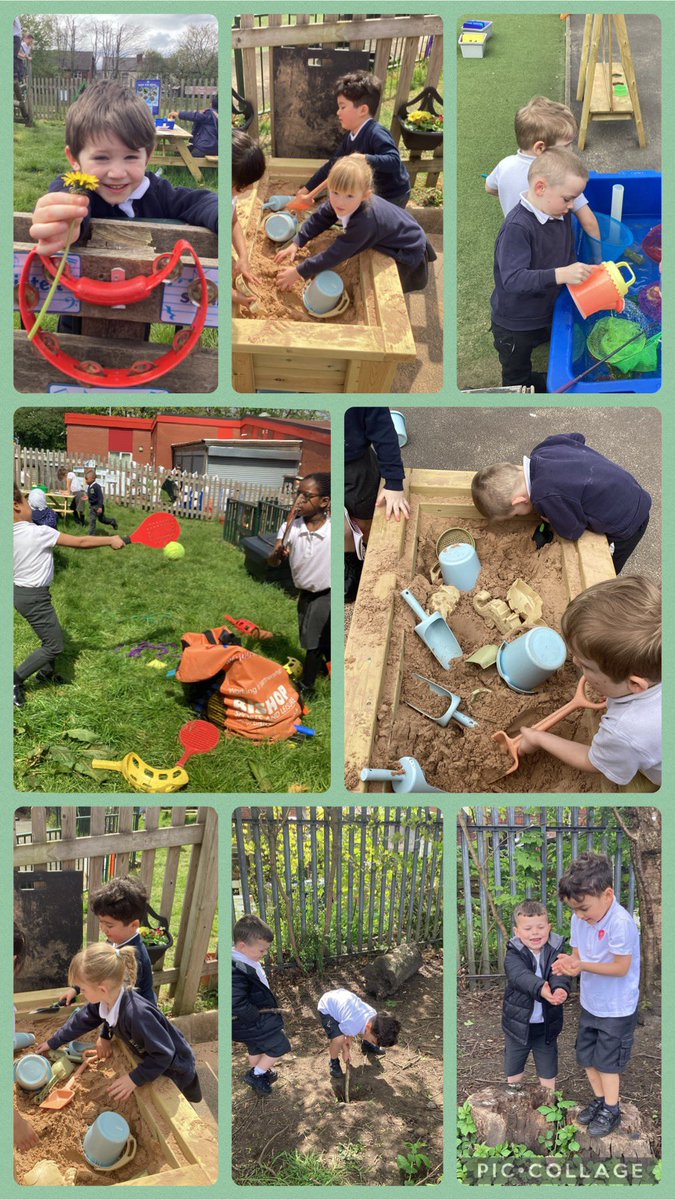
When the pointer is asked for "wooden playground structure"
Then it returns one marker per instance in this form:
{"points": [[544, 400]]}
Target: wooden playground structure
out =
{"points": [[114, 337]]}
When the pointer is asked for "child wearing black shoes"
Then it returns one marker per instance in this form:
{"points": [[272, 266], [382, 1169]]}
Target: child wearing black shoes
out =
{"points": [[256, 1020], [344, 1016]]}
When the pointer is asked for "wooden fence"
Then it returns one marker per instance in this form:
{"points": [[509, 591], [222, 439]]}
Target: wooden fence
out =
{"points": [[509, 855], [334, 882], [409, 34], [111, 835], [52, 96], [135, 485]]}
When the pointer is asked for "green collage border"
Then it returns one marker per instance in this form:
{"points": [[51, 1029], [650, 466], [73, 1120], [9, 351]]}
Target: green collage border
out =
{"points": [[451, 10]]}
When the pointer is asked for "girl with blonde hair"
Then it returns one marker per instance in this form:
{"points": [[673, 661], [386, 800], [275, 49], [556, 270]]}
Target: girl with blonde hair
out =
{"points": [[105, 975], [368, 223]]}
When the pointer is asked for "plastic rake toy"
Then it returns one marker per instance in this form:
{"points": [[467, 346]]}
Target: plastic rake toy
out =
{"points": [[114, 294]]}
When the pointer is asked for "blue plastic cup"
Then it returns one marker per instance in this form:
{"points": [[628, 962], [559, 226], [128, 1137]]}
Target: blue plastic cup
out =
{"points": [[615, 238], [529, 659], [460, 566], [323, 293], [400, 426], [105, 1141], [23, 1040], [280, 227], [32, 1072]]}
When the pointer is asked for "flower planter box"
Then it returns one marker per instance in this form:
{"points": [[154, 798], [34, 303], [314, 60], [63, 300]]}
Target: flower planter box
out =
{"points": [[326, 356], [421, 139], [381, 630]]}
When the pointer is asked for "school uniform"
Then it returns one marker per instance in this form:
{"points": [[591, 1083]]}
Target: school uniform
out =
{"points": [[372, 453], [509, 178], [530, 1024], [161, 1047], [375, 225], [144, 984], [342, 1012], [629, 737], [391, 178], [609, 1003], [204, 138], [33, 574], [261, 1032], [309, 561], [96, 501]]}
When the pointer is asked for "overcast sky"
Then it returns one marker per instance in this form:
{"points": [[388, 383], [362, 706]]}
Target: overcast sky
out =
{"points": [[163, 29]]}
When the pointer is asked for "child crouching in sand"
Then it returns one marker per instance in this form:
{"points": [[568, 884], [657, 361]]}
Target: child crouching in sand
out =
{"points": [[105, 975]]}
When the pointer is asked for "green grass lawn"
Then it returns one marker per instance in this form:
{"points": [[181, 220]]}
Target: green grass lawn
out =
{"points": [[524, 58], [106, 597], [39, 157]]}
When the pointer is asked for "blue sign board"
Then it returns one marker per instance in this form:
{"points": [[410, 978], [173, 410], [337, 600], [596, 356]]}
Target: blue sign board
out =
{"points": [[150, 90]]}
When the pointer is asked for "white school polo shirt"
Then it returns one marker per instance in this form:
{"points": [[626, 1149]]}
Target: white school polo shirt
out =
{"points": [[351, 1014], [509, 178], [629, 737], [309, 555], [34, 554], [616, 933]]}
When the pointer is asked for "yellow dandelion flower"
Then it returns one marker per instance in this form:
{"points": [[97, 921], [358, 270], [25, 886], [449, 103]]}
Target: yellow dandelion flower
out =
{"points": [[79, 182]]}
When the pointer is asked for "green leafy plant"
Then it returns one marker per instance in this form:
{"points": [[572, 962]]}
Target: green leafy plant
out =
{"points": [[422, 121], [560, 1139], [413, 1165]]}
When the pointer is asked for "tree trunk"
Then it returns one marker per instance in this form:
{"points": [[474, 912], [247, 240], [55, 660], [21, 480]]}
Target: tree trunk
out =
{"points": [[389, 971], [643, 827]]}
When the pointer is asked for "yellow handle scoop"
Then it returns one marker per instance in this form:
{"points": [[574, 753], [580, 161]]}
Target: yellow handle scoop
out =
{"points": [[143, 777]]}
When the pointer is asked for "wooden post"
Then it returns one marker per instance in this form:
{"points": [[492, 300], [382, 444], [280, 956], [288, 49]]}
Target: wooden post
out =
{"points": [[435, 63], [250, 76], [95, 872], [189, 894], [171, 868], [200, 918], [38, 822], [68, 829], [381, 64], [408, 59], [152, 816], [126, 824]]}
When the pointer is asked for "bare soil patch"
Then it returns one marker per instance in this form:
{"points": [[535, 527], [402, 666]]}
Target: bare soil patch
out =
{"points": [[61, 1133], [457, 759], [395, 1099]]}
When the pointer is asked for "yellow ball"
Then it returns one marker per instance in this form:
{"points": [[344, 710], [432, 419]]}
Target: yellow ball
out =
{"points": [[174, 550]]}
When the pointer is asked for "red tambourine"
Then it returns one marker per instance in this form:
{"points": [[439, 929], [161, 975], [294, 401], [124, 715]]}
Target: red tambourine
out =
{"points": [[109, 294]]}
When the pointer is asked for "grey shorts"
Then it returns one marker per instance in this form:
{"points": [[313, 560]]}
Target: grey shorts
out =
{"points": [[605, 1043], [545, 1056], [331, 1027]]}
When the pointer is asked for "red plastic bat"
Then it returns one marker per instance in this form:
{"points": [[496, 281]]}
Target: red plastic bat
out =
{"points": [[156, 531]]}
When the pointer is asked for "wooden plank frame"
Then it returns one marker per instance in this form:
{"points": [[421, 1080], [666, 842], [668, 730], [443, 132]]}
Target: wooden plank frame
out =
{"points": [[375, 646], [293, 356], [161, 1106]]}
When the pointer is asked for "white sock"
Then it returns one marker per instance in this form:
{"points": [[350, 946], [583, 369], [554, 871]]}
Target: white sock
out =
{"points": [[259, 1071]]}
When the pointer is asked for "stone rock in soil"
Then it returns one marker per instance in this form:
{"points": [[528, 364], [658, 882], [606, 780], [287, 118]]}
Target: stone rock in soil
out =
{"points": [[389, 971], [504, 1116]]}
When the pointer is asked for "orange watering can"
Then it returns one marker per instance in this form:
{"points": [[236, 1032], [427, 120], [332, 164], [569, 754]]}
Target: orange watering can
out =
{"points": [[605, 288]]}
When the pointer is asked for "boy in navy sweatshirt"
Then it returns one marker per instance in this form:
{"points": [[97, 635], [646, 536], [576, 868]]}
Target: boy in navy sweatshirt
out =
{"points": [[358, 99], [534, 257], [368, 222], [110, 133], [96, 502], [372, 453], [256, 1019], [204, 138], [572, 487]]}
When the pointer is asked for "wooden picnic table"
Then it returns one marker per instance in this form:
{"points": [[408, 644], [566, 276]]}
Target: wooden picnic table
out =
{"points": [[59, 501], [172, 151]]}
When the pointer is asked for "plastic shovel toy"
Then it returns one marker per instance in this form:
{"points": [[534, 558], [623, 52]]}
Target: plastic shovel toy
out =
{"points": [[452, 714], [512, 744], [410, 778], [61, 1096], [155, 531], [435, 632], [248, 627], [276, 203], [197, 737]]}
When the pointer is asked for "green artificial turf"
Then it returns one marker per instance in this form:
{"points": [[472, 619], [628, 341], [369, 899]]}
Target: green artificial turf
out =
{"points": [[105, 597], [524, 58]]}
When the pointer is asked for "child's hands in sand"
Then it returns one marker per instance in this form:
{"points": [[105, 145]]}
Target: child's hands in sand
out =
{"points": [[287, 254], [287, 279], [395, 504], [104, 1047], [52, 219], [42, 1048], [25, 1136], [122, 1088], [529, 741]]}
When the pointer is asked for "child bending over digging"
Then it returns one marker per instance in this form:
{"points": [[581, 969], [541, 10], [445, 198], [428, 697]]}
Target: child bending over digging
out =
{"points": [[344, 1016], [121, 906], [613, 630], [540, 125], [304, 540], [532, 1014], [33, 573], [248, 166], [106, 975], [572, 487], [369, 223], [256, 1017]]}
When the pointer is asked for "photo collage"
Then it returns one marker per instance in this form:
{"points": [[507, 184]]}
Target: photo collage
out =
{"points": [[440, 994]]}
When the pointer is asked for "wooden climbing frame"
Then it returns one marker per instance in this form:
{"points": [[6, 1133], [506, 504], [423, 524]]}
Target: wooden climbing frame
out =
{"points": [[608, 88]]}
